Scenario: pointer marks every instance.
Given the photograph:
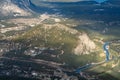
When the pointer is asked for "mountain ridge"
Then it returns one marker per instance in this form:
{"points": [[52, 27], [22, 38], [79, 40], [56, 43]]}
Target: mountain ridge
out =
{"points": [[8, 8], [112, 2]]}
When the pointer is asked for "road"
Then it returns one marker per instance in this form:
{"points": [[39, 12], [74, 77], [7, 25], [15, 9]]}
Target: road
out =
{"points": [[83, 68], [38, 61], [106, 47], [57, 65], [87, 66]]}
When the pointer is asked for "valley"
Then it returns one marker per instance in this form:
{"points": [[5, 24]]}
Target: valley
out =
{"points": [[59, 40]]}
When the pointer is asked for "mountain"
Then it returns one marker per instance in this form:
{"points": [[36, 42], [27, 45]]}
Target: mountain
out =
{"points": [[41, 36], [8, 8], [24, 4], [67, 39], [112, 2], [82, 2], [61, 0], [14, 8]]}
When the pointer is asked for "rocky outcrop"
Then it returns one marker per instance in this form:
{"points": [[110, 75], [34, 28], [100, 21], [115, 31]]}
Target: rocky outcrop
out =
{"points": [[85, 45], [8, 8]]}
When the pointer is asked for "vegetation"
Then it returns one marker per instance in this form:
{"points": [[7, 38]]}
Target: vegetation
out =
{"points": [[53, 38], [60, 39]]}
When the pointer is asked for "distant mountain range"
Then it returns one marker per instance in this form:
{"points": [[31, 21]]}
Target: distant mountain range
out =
{"points": [[27, 7], [9, 8], [24, 4], [113, 2]]}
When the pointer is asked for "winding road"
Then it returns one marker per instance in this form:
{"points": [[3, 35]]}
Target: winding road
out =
{"points": [[106, 47], [78, 70], [87, 66], [38, 61]]}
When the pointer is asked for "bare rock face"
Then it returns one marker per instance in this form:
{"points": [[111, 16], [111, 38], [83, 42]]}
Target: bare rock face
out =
{"points": [[26, 5], [85, 45], [9, 8]]}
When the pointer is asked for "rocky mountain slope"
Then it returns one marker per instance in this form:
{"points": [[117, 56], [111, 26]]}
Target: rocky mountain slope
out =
{"points": [[26, 5], [74, 39], [8, 8], [112, 2], [59, 36]]}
